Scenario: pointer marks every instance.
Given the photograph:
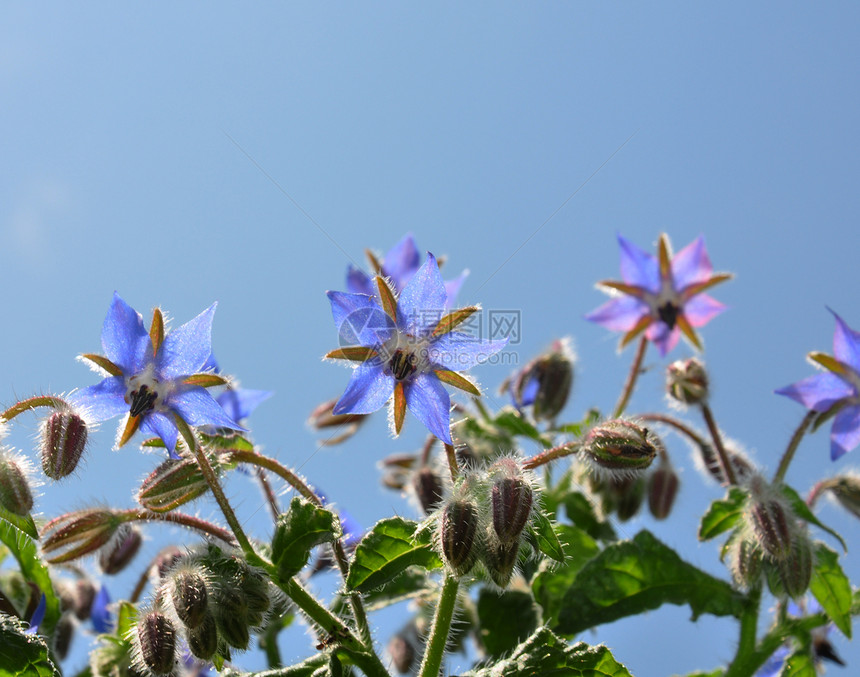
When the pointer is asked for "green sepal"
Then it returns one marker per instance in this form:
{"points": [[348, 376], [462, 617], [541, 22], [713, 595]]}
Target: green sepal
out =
{"points": [[23, 522], [545, 537], [831, 587], [803, 512], [387, 550], [23, 654], [304, 526], [723, 514], [505, 619]]}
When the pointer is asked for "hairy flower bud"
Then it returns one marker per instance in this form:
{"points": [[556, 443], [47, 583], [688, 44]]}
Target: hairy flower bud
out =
{"points": [[203, 638], [64, 631], [322, 418], [770, 523], [500, 560], [711, 460], [662, 490], [511, 499], [620, 446], [795, 570], [846, 490], [157, 642], [687, 381], [428, 488], [232, 616], [554, 374], [15, 494], [402, 653], [626, 496], [190, 597], [459, 527], [171, 484], [63, 441], [115, 556], [78, 533], [82, 602], [746, 562], [255, 590], [166, 559]]}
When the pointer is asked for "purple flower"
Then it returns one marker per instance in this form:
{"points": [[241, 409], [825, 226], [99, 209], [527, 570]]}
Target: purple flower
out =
{"points": [[835, 391], [100, 613], [662, 296], [406, 348], [38, 616], [237, 402], [399, 266], [153, 377]]}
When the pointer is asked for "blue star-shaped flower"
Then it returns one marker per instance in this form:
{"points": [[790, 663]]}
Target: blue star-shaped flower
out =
{"points": [[407, 348], [399, 266], [662, 296], [238, 403], [835, 391], [153, 377]]}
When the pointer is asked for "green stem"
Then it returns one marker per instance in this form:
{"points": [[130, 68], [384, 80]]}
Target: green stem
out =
{"points": [[452, 461], [482, 410], [728, 468], [676, 424], [435, 649], [137, 515], [635, 370], [747, 641], [32, 403], [549, 455], [793, 443], [269, 494]]}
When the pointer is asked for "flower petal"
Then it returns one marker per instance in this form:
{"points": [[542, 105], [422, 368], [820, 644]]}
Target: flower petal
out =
{"points": [[197, 407], [100, 615], [359, 319], [845, 434], [238, 403], [162, 425], [846, 343], [639, 267], [620, 313], [401, 262], [422, 302], [186, 349], [370, 387], [358, 282], [456, 351], [452, 288], [691, 264], [124, 340], [429, 402], [101, 401], [701, 309], [664, 338], [818, 392]]}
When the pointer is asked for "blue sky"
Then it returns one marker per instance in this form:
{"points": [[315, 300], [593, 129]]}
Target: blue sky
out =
{"points": [[211, 152]]}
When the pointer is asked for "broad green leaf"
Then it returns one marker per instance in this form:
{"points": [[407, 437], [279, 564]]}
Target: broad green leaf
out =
{"points": [[630, 577], [552, 582], [34, 570], [387, 551], [831, 588], [23, 522], [803, 512], [511, 422], [723, 514], [547, 655], [23, 655], [506, 619], [410, 584], [304, 526], [546, 538], [799, 664]]}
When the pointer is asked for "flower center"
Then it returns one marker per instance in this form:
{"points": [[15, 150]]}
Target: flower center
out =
{"points": [[402, 364], [144, 392], [405, 355], [142, 400], [668, 313]]}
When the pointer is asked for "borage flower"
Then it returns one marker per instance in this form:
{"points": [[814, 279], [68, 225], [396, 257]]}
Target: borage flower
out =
{"points": [[662, 295], [836, 391], [399, 266], [406, 348], [153, 377]]}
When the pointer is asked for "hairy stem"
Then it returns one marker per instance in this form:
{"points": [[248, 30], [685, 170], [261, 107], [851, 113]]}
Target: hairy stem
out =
{"points": [[271, 499], [32, 403], [728, 468], [793, 443], [201, 525], [435, 649], [630, 384], [549, 455]]}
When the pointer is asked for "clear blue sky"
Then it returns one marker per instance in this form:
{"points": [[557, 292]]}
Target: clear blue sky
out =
{"points": [[207, 152]]}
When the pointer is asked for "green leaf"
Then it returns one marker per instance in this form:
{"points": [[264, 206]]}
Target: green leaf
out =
{"points": [[546, 538], [303, 669], [511, 422], [23, 655], [23, 522], [799, 664], [547, 655], [304, 526], [387, 551], [580, 511], [831, 588], [506, 619], [412, 583], [803, 512], [552, 582], [630, 577], [24, 550], [723, 514]]}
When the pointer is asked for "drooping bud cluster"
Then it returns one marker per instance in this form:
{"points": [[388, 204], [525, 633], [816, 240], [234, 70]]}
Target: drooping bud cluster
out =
{"points": [[620, 448], [15, 493], [63, 442], [687, 381], [545, 382], [79, 533]]}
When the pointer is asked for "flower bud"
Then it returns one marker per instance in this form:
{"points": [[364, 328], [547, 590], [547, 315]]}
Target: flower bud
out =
{"points": [[157, 642], [770, 524], [402, 653], [554, 374], [459, 527], [203, 639], [626, 496], [171, 484], [121, 550], [795, 570], [64, 631], [63, 441], [687, 381], [512, 499], [82, 601], [166, 559], [232, 617], [500, 560], [77, 534], [711, 460], [846, 490], [620, 446], [190, 597], [746, 562], [255, 590], [428, 488], [662, 490], [322, 418], [15, 494]]}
